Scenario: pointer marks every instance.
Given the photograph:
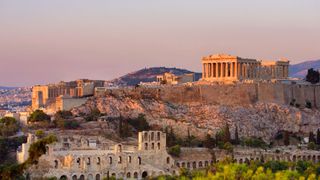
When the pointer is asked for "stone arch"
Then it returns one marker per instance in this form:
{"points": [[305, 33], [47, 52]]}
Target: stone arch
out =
{"points": [[88, 161], [188, 165], [129, 159], [206, 164], [128, 175], [145, 136], [78, 161], [158, 145], [178, 164], [74, 177], [158, 136], [200, 164], [314, 158], [110, 160], [113, 174], [152, 136], [135, 175], [56, 164], [318, 158], [98, 177], [145, 146], [139, 160], [63, 177], [119, 160], [81, 177], [294, 158], [119, 148], [309, 157], [183, 164], [90, 177], [194, 165], [98, 160], [144, 174], [152, 146], [168, 160], [240, 161]]}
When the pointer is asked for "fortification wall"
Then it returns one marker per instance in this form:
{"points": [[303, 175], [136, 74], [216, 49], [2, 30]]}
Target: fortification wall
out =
{"points": [[227, 94]]}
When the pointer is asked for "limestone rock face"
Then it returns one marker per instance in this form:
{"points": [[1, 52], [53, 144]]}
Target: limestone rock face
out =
{"points": [[258, 119]]}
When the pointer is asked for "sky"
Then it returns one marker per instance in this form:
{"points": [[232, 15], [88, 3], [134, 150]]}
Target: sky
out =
{"points": [[44, 41]]}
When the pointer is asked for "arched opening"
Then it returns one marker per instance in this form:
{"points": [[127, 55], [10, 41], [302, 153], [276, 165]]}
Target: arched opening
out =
{"points": [[168, 160], [178, 164], [98, 161], [240, 161], [63, 177], [144, 174], [128, 175], [139, 160], [145, 138], [98, 177], [119, 160], [158, 146], [188, 165], [119, 148], [152, 146], [145, 146], [206, 164], [110, 160], [152, 136], [78, 161], [194, 165], [56, 164], [90, 177], [294, 158], [135, 175], [158, 136], [81, 177], [88, 161], [129, 159], [200, 164], [74, 177], [113, 175], [183, 164]]}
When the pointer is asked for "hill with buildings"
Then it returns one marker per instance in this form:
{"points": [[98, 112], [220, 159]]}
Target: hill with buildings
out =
{"points": [[147, 75], [300, 70]]}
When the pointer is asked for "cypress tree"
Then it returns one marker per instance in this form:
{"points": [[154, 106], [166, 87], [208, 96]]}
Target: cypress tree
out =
{"points": [[312, 138], [318, 136]]}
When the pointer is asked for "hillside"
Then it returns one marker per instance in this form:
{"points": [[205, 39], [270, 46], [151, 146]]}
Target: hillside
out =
{"points": [[300, 70], [147, 75]]}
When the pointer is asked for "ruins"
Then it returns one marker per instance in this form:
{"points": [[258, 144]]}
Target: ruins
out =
{"points": [[222, 68]]}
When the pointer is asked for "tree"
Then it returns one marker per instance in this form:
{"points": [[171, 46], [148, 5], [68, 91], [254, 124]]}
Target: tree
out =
{"points": [[63, 115], [8, 126], [312, 138], [318, 137], [93, 115], [313, 76], [38, 115], [209, 142], [140, 123], [286, 138], [227, 135], [175, 150], [39, 133], [236, 136]]}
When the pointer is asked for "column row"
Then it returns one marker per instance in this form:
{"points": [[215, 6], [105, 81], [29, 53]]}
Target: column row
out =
{"points": [[215, 70]]}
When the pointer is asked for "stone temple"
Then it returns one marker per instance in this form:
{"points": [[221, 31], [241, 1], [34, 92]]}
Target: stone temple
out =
{"points": [[222, 67]]}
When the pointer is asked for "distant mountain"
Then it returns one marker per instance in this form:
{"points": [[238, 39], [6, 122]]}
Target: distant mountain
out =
{"points": [[300, 70], [147, 75]]}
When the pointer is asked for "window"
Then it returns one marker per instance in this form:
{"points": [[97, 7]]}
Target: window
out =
{"points": [[152, 136], [88, 161], [119, 160], [152, 146], [146, 146], [79, 161], [98, 161], [158, 146], [158, 136], [110, 160], [139, 160], [129, 159], [56, 164], [168, 160]]}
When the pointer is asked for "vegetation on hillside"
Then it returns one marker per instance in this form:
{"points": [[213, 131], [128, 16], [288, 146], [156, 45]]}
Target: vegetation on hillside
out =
{"points": [[38, 116], [253, 170], [313, 76], [8, 126]]}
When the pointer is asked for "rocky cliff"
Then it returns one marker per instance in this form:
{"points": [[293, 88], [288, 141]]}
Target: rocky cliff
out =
{"points": [[203, 110]]}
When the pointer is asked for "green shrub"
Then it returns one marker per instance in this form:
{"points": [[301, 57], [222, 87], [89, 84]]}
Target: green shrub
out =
{"points": [[175, 150], [38, 115]]}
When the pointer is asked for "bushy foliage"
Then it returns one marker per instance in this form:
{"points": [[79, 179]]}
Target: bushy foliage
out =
{"points": [[93, 115], [38, 115], [140, 123], [313, 76], [175, 150], [8, 126], [63, 115], [254, 142], [66, 124]]}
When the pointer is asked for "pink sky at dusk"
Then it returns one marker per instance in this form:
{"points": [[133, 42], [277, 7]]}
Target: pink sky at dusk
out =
{"points": [[44, 41]]}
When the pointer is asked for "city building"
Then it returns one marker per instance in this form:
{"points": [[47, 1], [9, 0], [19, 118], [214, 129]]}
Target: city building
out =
{"points": [[45, 95], [170, 78], [223, 68]]}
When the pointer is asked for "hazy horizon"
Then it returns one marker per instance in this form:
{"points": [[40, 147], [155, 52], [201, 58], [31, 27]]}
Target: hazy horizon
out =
{"points": [[48, 41]]}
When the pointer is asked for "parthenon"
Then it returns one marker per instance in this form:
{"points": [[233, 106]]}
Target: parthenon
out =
{"points": [[222, 67]]}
